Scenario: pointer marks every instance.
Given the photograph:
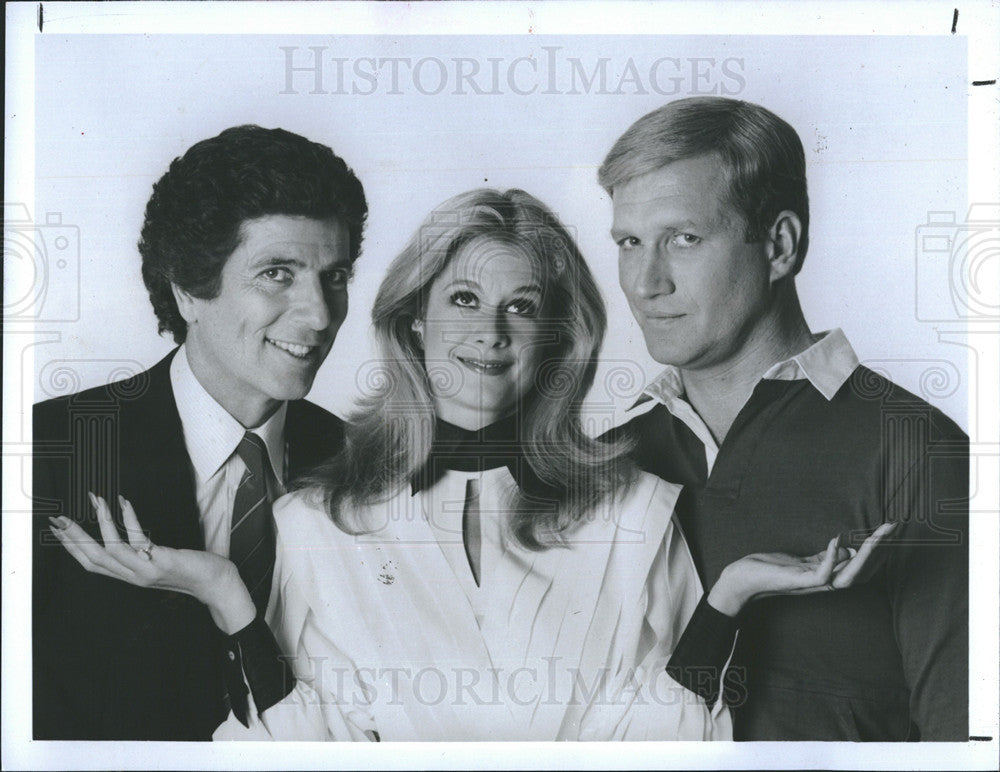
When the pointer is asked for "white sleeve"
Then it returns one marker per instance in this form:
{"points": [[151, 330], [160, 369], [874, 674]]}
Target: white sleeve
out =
{"points": [[642, 702], [324, 705], [328, 702]]}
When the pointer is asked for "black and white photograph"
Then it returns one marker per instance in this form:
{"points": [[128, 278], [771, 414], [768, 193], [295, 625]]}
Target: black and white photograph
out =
{"points": [[501, 385]]}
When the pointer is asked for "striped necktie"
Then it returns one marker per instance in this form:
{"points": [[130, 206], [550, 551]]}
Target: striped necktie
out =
{"points": [[251, 536]]}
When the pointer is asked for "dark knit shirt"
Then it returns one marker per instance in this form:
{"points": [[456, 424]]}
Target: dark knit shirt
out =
{"points": [[887, 660]]}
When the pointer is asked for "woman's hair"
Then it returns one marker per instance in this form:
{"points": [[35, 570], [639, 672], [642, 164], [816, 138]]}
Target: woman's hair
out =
{"points": [[194, 218], [389, 436]]}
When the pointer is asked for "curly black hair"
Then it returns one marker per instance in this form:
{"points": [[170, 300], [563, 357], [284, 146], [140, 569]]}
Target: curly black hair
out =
{"points": [[194, 217]]}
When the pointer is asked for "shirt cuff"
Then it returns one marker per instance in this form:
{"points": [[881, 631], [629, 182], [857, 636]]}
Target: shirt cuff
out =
{"points": [[253, 655], [700, 657]]}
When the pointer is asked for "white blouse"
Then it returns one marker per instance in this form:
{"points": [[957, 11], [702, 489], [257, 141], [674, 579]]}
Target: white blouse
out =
{"points": [[392, 638]]}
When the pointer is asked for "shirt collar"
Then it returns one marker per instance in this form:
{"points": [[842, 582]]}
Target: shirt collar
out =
{"points": [[826, 364], [211, 434]]}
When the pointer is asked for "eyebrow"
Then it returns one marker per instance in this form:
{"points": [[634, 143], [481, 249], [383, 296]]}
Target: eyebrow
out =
{"points": [[474, 285], [276, 261], [465, 283], [617, 233]]}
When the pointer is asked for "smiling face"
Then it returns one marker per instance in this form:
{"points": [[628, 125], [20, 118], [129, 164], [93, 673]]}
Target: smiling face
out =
{"points": [[282, 298], [700, 292], [481, 332]]}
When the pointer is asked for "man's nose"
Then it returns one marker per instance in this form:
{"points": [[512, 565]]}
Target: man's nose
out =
{"points": [[314, 305], [653, 274]]}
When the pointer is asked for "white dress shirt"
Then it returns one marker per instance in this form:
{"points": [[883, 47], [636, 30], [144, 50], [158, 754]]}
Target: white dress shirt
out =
{"points": [[211, 436]]}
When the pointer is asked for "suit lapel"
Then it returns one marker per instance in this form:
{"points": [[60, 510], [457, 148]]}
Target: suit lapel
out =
{"points": [[312, 435], [156, 473]]}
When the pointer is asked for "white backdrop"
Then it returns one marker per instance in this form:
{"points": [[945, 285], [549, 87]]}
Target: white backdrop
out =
{"points": [[885, 138]]}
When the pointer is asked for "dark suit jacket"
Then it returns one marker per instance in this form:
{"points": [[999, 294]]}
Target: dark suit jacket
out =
{"points": [[112, 661]]}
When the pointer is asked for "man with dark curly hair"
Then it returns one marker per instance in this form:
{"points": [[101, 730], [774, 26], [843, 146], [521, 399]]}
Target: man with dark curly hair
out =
{"points": [[247, 246]]}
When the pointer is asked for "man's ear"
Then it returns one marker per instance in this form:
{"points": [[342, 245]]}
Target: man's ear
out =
{"points": [[784, 240], [185, 304]]}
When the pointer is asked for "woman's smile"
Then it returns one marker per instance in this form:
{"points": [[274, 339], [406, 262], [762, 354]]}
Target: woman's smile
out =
{"points": [[485, 367]]}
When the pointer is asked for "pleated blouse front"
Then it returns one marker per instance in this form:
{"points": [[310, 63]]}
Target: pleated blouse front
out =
{"points": [[393, 639]]}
